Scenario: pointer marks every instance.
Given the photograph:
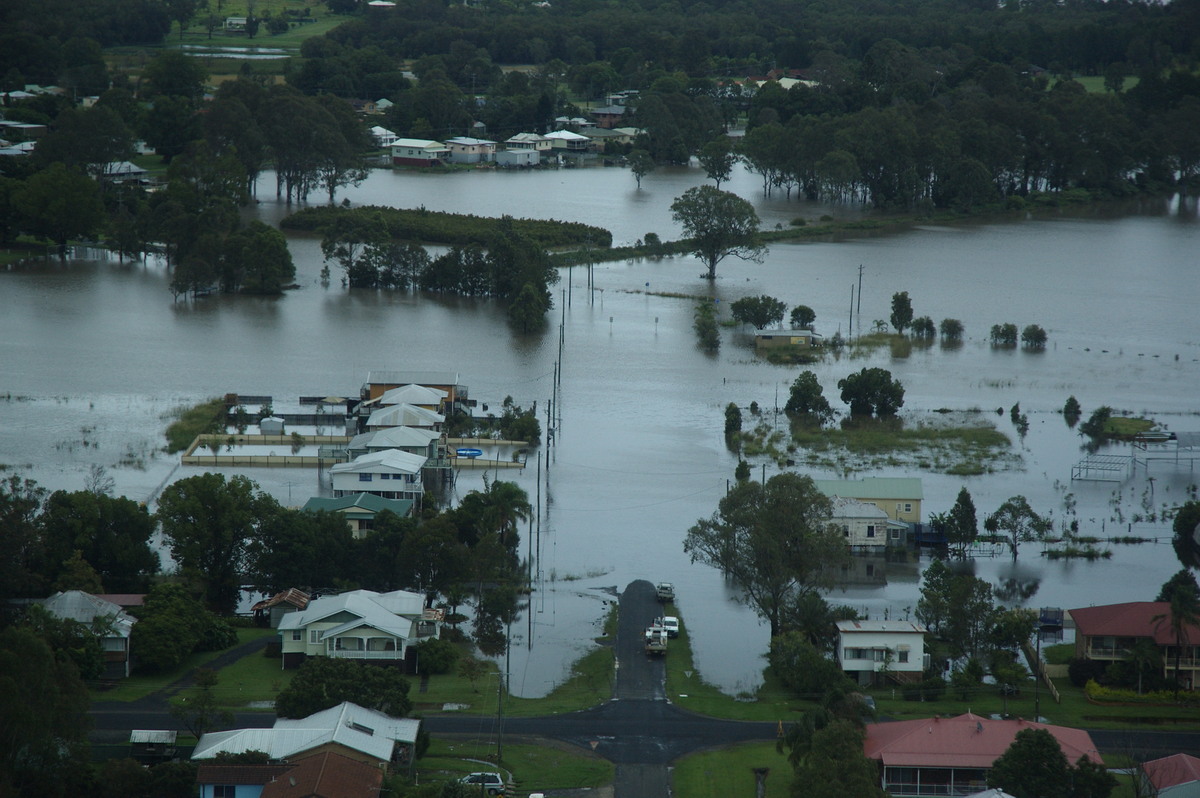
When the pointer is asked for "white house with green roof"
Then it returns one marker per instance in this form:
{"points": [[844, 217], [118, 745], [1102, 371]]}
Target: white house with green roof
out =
{"points": [[359, 509], [899, 497]]}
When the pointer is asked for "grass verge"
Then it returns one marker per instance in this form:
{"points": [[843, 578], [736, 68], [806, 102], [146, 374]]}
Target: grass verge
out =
{"points": [[140, 686], [208, 416], [546, 765], [730, 771]]}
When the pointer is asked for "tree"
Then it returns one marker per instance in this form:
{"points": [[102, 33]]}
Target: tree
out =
{"points": [[802, 668], [872, 391], [807, 401], [641, 164], [527, 313], [717, 158], [259, 256], [1019, 523], [88, 139], [21, 538], [923, 327], [1181, 617], [951, 329], [803, 317], [760, 311], [718, 224], [59, 203], [182, 11], [933, 608], [733, 418], [1033, 337], [1182, 579], [1072, 411], [324, 682], [173, 73], [1186, 540], [1144, 655], [43, 718], [472, 670], [171, 626], [962, 528], [704, 321], [902, 311], [1032, 767], [1003, 335], [208, 523], [835, 765], [774, 540], [1096, 427], [112, 535]]}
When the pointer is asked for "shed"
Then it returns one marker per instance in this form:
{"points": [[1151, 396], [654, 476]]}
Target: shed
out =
{"points": [[271, 425], [149, 746], [517, 158]]}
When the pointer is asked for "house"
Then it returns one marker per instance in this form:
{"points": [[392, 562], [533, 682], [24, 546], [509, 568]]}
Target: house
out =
{"points": [[875, 651], [383, 137], [359, 510], [1109, 632], [151, 746], [270, 611], [237, 781], [519, 159], [951, 756], [419, 395], [391, 474], [419, 152], [327, 775], [467, 149], [235, 24], [899, 497], [359, 624], [360, 734], [865, 527], [405, 415], [567, 141], [777, 338], [380, 382], [414, 440], [123, 172], [95, 612], [1175, 776], [609, 116], [527, 141]]}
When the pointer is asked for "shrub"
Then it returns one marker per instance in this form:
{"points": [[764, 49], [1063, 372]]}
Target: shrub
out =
{"points": [[1098, 692], [436, 656]]}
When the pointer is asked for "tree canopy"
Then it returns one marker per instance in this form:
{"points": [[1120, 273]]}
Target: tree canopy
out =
{"points": [[718, 224], [872, 391], [775, 540]]}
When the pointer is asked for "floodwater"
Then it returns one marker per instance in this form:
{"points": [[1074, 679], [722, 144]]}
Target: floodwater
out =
{"points": [[96, 354]]}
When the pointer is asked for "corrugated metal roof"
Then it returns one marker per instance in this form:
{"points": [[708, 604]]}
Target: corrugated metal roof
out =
{"points": [[1171, 771], [899, 488], [388, 461]]}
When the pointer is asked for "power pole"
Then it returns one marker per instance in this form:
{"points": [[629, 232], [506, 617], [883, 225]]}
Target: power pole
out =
{"points": [[860, 271]]}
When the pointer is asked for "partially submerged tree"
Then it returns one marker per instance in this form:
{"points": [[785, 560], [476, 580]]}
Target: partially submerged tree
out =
{"points": [[902, 311], [803, 317], [807, 401], [1019, 523], [760, 311], [718, 224], [774, 540], [872, 391]]}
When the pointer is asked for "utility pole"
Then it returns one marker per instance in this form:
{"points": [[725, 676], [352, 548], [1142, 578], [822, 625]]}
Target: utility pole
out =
{"points": [[860, 271]]}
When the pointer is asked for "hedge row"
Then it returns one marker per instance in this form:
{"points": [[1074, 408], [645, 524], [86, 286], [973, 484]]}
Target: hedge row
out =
{"points": [[1099, 693], [428, 226]]}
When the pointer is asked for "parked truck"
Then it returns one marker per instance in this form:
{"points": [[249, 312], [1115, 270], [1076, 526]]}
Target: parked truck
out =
{"points": [[656, 640], [665, 592]]}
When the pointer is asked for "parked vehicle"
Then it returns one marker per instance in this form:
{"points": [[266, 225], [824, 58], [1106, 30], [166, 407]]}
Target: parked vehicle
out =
{"points": [[656, 640], [485, 783], [665, 592], [671, 624]]}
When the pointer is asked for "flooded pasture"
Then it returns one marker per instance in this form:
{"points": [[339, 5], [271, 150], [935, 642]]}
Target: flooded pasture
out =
{"points": [[96, 355]]}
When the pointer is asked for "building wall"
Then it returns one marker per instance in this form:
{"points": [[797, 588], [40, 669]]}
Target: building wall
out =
{"points": [[857, 652]]}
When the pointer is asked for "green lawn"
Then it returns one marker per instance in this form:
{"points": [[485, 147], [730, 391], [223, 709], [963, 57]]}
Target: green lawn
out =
{"points": [[252, 678], [140, 686], [545, 766], [730, 771]]}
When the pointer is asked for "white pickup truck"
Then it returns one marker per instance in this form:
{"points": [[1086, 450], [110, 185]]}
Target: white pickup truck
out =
{"points": [[656, 640], [665, 592]]}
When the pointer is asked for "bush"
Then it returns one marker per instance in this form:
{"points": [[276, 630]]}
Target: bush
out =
{"points": [[436, 656], [1082, 670], [1098, 692]]}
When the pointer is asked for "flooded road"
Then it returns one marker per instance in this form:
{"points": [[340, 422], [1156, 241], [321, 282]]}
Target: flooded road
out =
{"points": [[95, 353]]}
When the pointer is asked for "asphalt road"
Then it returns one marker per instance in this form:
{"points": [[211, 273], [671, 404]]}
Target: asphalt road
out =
{"points": [[639, 730]]}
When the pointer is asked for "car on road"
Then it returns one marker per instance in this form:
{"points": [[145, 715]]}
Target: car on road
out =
{"points": [[485, 783], [665, 591]]}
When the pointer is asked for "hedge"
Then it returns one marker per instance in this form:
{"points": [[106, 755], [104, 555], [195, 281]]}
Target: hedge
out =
{"points": [[1114, 695]]}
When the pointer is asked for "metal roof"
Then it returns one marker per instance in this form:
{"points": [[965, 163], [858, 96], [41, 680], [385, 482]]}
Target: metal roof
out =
{"points": [[899, 488]]}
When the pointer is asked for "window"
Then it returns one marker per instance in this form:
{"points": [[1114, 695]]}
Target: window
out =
{"points": [[314, 636], [895, 534], [907, 507], [857, 653], [870, 531], [385, 476], [902, 655], [224, 791], [846, 530], [364, 477], [297, 634]]}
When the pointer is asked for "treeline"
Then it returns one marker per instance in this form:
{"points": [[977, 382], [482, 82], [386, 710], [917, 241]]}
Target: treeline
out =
{"points": [[439, 227]]}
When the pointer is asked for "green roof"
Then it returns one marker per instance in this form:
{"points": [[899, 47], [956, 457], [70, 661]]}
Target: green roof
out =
{"points": [[899, 488], [367, 503]]}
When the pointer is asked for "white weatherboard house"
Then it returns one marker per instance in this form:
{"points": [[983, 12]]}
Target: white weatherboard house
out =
{"points": [[568, 141], [418, 152], [391, 474], [407, 439], [864, 526], [873, 651], [360, 624]]}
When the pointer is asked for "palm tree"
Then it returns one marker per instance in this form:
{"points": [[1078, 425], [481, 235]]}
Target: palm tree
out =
{"points": [[506, 504], [1142, 656], [1183, 613]]}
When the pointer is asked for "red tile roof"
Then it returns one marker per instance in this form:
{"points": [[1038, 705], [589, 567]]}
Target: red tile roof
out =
{"points": [[327, 775], [1172, 770], [1134, 619], [966, 741]]}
